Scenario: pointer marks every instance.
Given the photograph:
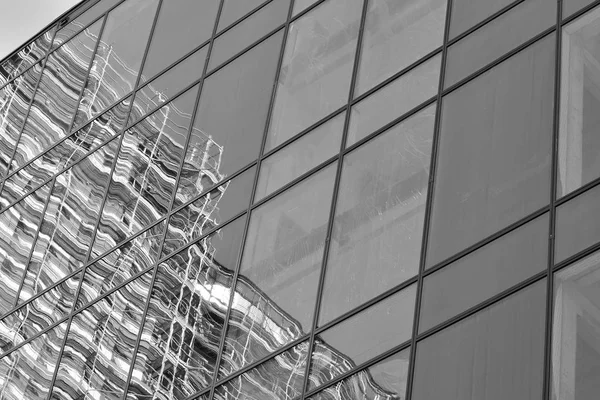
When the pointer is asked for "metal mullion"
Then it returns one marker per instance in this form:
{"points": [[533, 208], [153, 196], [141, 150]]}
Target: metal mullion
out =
{"points": [[428, 204], [101, 208], [334, 197], [172, 202]]}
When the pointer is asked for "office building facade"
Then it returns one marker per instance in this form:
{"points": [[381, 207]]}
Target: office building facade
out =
{"points": [[302, 199]]}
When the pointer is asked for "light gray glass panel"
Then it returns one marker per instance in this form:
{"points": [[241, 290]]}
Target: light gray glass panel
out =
{"points": [[570, 7], [25, 58], [233, 10], [301, 5], [494, 155], [495, 354], [468, 13]]}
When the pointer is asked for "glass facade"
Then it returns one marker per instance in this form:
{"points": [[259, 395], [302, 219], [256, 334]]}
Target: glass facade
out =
{"points": [[303, 199]]}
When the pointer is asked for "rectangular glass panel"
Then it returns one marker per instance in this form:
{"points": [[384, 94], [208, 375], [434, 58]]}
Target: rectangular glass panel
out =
{"points": [[394, 99], [373, 331], [494, 157], [495, 354], [468, 13], [484, 273], [396, 34], [233, 10], [26, 57], [378, 224], [498, 37], [316, 70]]}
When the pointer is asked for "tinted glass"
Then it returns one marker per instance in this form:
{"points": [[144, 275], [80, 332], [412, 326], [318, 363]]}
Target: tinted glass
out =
{"points": [[235, 9], [378, 225], [494, 154], [468, 13], [495, 354]]}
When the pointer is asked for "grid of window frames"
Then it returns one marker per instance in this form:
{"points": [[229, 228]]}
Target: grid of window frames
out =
{"points": [[293, 199]]}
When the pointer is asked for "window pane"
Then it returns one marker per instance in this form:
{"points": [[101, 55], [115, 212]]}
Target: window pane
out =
{"points": [[300, 156], [398, 33], [25, 58], [579, 143], [236, 9], [301, 5], [316, 70], [378, 225], [484, 273], [494, 154], [373, 331], [495, 354], [468, 13], [498, 37], [572, 6], [575, 339]]}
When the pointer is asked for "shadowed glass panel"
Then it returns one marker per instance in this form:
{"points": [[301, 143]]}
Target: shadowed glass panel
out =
{"points": [[99, 348], [233, 10], [373, 331], [378, 225], [495, 354], [316, 70], [494, 155], [25, 58], [277, 286], [230, 121], [398, 33], [468, 13]]}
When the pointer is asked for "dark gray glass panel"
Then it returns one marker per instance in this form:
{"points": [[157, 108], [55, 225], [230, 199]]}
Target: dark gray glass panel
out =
{"points": [[27, 373], [498, 37], [572, 6], [68, 225], [495, 354], [39, 314], [98, 351], [209, 211], [280, 378], [121, 264], [25, 58], [233, 10], [378, 225], [231, 119], [577, 225], [385, 380], [316, 70], [468, 13], [362, 337], [575, 339], [65, 154], [277, 286], [301, 5], [163, 88], [19, 225], [300, 156], [118, 58], [13, 109], [398, 33], [144, 178], [484, 273], [181, 26], [183, 328], [56, 97], [248, 31], [391, 101], [494, 154]]}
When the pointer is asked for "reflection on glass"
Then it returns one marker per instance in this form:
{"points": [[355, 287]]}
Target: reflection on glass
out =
{"points": [[18, 229], [300, 156], [25, 58], [143, 181], [575, 339], [230, 121], [99, 348], [497, 353], [398, 33], [277, 286], [280, 378], [316, 70], [118, 58], [468, 13], [494, 154], [498, 37], [209, 211], [394, 99], [484, 273], [248, 31], [362, 337], [181, 26], [183, 328], [27, 372], [378, 225], [385, 380], [235, 9], [579, 144]]}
